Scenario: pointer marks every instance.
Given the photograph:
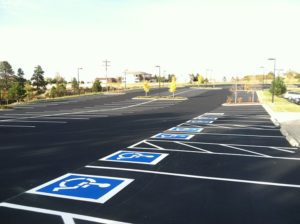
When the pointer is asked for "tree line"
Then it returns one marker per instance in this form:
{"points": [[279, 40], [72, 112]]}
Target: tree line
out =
{"points": [[14, 87]]}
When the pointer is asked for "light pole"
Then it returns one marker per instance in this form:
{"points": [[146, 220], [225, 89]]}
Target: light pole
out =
{"points": [[78, 80], [106, 64], [273, 89], [125, 76], [263, 70], [158, 66]]}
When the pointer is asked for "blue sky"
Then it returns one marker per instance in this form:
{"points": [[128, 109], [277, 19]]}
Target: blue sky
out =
{"points": [[231, 37]]}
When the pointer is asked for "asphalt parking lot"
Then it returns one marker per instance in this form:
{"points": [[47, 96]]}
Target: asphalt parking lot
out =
{"points": [[181, 162]]}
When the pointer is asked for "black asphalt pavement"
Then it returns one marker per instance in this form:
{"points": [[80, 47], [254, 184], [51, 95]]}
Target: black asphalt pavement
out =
{"points": [[236, 169]]}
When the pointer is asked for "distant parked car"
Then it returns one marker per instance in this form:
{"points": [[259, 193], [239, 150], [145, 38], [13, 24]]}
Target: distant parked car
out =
{"points": [[293, 96]]}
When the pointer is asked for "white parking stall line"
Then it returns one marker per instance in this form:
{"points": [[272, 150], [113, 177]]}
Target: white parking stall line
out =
{"points": [[283, 150], [16, 126], [155, 146], [209, 143], [100, 110], [194, 147], [136, 147], [244, 150], [246, 121], [229, 126], [30, 121], [197, 177], [68, 218], [242, 135], [65, 118]]}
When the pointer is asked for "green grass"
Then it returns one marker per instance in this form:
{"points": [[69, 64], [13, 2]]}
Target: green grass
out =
{"points": [[60, 98], [280, 104], [3, 107]]}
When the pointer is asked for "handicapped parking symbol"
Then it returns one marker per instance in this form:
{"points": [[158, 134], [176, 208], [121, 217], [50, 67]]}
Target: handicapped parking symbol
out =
{"points": [[132, 155], [85, 183]]}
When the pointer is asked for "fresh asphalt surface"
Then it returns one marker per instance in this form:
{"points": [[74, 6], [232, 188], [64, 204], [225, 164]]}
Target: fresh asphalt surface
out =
{"points": [[237, 169]]}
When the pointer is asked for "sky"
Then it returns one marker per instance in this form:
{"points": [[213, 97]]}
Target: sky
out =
{"points": [[215, 38]]}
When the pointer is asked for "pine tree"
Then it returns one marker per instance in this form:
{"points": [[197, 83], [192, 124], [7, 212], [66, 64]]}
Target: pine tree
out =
{"points": [[38, 78], [20, 77]]}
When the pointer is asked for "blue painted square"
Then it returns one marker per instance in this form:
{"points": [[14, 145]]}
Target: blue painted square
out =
{"points": [[199, 122], [83, 187], [136, 157], [173, 136], [186, 129]]}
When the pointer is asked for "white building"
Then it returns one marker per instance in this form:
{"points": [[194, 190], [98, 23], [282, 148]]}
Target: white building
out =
{"points": [[135, 77]]}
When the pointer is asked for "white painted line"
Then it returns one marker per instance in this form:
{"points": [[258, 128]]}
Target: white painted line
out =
{"points": [[259, 136], [64, 118], [100, 110], [16, 126], [217, 153], [101, 200], [140, 142], [244, 150], [29, 121], [155, 146], [215, 126], [194, 147], [209, 143], [283, 150], [68, 218], [198, 177]]}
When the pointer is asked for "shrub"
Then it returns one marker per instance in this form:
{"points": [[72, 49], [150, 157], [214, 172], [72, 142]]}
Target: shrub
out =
{"points": [[280, 87]]}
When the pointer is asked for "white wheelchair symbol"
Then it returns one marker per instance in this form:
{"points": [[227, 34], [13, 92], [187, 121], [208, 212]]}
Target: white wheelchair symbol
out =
{"points": [[86, 182], [132, 155]]}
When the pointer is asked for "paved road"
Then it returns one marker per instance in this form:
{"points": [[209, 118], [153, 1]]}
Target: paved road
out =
{"points": [[148, 162]]}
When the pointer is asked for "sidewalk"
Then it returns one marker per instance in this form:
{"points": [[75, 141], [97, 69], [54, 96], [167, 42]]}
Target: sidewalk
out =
{"points": [[289, 123]]}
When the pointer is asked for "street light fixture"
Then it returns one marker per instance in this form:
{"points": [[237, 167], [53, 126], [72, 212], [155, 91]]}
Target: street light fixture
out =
{"points": [[273, 89], [263, 70], [78, 80], [125, 76], [158, 66]]}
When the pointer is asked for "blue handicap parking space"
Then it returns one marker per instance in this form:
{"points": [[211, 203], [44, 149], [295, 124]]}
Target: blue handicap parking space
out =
{"points": [[205, 118], [199, 122], [136, 157], [82, 187], [173, 136], [186, 129]]}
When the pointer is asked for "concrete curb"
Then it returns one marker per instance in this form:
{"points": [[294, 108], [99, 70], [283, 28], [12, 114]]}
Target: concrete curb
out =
{"points": [[289, 137]]}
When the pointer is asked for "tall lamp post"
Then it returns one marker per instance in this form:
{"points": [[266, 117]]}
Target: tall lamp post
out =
{"points": [[158, 66], [125, 76], [263, 70], [78, 80], [273, 89]]}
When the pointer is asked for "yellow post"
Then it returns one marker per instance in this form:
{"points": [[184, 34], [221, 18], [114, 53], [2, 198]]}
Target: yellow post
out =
{"points": [[146, 87], [173, 86]]}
